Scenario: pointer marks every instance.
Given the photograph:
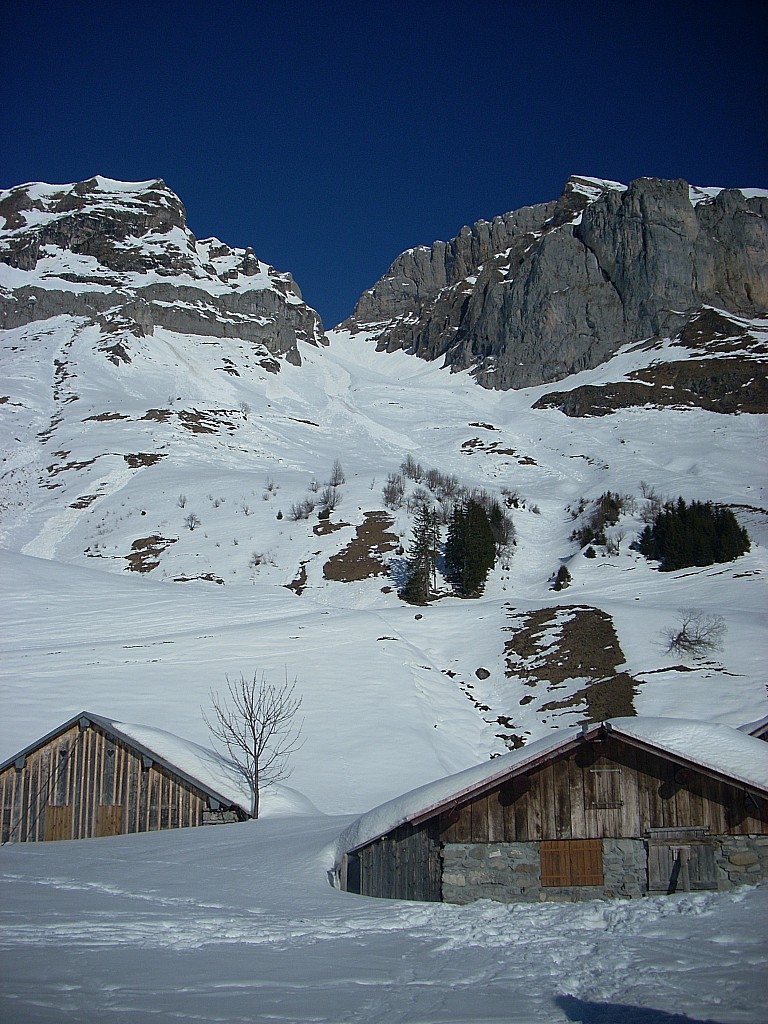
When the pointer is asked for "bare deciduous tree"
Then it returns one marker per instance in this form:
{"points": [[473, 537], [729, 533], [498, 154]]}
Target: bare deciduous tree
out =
{"points": [[330, 497], [696, 632], [255, 722], [192, 521]]}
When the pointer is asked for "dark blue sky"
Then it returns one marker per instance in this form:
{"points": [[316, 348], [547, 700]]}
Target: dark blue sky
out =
{"points": [[331, 136]]}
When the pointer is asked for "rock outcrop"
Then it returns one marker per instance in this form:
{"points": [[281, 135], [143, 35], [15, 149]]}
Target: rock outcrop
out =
{"points": [[549, 290], [121, 255], [725, 371]]}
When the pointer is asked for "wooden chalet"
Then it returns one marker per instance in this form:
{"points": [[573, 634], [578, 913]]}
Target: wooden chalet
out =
{"points": [[95, 777], [621, 809]]}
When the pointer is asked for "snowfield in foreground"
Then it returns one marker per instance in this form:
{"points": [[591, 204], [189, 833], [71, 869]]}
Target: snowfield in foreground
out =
{"points": [[239, 924]]}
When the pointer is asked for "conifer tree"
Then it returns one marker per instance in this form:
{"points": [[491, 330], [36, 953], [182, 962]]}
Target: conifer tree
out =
{"points": [[422, 557], [470, 550], [701, 533]]}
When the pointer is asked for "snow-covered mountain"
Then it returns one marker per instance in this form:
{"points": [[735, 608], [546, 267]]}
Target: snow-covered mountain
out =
{"points": [[119, 255], [548, 290], [159, 529]]}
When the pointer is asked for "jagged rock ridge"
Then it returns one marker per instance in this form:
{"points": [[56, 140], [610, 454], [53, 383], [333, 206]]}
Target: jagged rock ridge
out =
{"points": [[120, 254], [549, 290]]}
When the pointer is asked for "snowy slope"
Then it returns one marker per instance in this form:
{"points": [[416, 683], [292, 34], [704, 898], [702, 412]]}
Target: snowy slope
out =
{"points": [[375, 678]]}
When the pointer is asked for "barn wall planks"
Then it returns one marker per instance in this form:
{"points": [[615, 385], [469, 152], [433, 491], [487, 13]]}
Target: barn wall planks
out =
{"points": [[612, 791], [84, 783], [404, 865]]}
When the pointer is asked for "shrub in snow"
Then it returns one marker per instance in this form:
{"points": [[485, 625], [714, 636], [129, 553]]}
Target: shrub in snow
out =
{"points": [[563, 579], [695, 633], [330, 498], [301, 509], [393, 491]]}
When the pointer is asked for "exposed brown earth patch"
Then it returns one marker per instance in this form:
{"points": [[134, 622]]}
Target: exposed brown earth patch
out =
{"points": [[572, 642], [208, 577], [158, 415], [143, 459], [85, 500], [475, 444], [299, 585], [711, 332], [209, 421], [55, 470], [105, 417], [325, 526], [47, 434], [363, 556], [145, 552]]}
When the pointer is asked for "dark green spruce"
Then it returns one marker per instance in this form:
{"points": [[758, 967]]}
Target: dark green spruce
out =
{"points": [[701, 533], [422, 557], [470, 550]]}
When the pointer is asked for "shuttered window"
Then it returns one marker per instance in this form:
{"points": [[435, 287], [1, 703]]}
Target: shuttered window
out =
{"points": [[571, 862]]}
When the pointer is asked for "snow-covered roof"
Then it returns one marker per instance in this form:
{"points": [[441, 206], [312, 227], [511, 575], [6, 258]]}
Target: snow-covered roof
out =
{"points": [[210, 770], [757, 728], [718, 748], [199, 765], [715, 748]]}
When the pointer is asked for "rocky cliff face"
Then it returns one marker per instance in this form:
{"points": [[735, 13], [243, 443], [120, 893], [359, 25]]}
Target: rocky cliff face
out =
{"points": [[120, 255], [549, 290]]}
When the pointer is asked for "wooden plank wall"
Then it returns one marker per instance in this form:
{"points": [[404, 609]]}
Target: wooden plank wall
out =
{"points": [[404, 865], [86, 771], [604, 790]]}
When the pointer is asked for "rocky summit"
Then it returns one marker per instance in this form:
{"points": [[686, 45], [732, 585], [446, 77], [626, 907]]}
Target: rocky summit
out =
{"points": [[120, 255], [549, 290]]}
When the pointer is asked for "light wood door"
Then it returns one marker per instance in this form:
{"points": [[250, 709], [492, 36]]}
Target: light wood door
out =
{"points": [[58, 822]]}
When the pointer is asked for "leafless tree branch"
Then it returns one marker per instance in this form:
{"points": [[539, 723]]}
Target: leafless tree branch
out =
{"points": [[255, 722], [696, 632]]}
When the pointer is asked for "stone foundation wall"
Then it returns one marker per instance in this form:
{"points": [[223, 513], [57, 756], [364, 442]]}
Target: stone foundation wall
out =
{"points": [[511, 872], [220, 817], [741, 860], [507, 872]]}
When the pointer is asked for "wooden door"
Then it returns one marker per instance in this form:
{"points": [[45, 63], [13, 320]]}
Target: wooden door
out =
{"points": [[109, 820], [58, 822], [681, 867]]}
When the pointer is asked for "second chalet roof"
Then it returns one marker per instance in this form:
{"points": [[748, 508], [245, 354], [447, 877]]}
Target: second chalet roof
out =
{"points": [[715, 749], [201, 766], [758, 728]]}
